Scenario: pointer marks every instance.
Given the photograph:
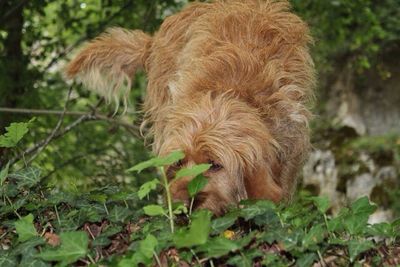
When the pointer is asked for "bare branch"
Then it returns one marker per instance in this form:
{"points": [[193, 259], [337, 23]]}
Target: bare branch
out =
{"points": [[55, 130]]}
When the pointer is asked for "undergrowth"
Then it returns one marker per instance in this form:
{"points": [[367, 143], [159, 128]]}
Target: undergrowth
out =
{"points": [[114, 226]]}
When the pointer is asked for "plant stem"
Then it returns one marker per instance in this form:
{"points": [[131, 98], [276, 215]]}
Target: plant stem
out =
{"points": [[105, 208], [169, 200], [191, 206], [12, 206], [157, 259], [58, 216]]}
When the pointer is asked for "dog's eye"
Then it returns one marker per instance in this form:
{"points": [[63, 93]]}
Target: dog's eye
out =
{"points": [[215, 166]]}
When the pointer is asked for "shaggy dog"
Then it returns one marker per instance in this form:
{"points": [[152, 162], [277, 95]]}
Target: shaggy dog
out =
{"points": [[228, 84]]}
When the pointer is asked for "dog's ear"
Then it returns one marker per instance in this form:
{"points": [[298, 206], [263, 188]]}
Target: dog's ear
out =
{"points": [[108, 63], [260, 184]]}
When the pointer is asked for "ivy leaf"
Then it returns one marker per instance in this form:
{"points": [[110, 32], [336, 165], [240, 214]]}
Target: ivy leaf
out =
{"points": [[153, 210], [25, 228], [222, 223], [73, 247], [158, 162], [322, 203], [196, 185], [15, 132], [119, 214], [256, 208], [193, 171], [7, 260], [357, 219], [146, 188], [197, 233], [314, 236], [218, 246], [356, 247], [27, 177]]}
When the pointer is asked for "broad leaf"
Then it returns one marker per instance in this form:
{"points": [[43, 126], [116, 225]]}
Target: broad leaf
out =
{"points": [[15, 132], [196, 185], [25, 228], [73, 247], [153, 210], [119, 214], [193, 171], [146, 188], [197, 233], [218, 246], [147, 246]]}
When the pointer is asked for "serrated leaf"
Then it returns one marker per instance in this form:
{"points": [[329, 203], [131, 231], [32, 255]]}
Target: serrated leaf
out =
{"points": [[153, 210], [147, 246], [322, 203], [25, 228], [193, 171], [146, 188], [73, 247], [197, 233], [15, 132], [356, 247], [27, 177], [158, 162], [196, 185], [4, 173]]}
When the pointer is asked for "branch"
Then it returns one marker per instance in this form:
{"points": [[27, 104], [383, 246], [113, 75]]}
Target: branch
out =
{"points": [[55, 130], [89, 116]]}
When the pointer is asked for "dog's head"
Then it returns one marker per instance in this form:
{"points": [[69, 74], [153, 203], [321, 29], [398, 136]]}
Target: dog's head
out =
{"points": [[229, 135]]}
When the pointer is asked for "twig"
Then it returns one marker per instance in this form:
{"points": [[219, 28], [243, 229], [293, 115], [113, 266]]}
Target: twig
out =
{"points": [[55, 130], [91, 116]]}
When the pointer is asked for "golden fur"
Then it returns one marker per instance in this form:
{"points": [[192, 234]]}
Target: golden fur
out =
{"points": [[228, 83]]}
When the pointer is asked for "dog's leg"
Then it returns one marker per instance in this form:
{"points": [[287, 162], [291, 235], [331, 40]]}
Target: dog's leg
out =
{"points": [[108, 64]]}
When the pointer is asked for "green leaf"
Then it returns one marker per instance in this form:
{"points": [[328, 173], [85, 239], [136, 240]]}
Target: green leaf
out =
{"points": [[158, 162], [314, 236], [193, 171], [363, 207], [322, 203], [147, 246], [25, 228], [153, 210], [73, 247], [256, 208], [197, 233], [306, 260], [218, 246], [27, 177], [15, 132], [146, 188], [356, 247], [8, 261], [4, 173], [196, 185], [222, 223], [119, 214]]}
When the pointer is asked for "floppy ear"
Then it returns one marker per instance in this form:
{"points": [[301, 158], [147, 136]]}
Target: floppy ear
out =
{"points": [[107, 64], [260, 184]]}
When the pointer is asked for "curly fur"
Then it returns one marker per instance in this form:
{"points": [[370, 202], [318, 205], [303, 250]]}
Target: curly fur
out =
{"points": [[228, 82]]}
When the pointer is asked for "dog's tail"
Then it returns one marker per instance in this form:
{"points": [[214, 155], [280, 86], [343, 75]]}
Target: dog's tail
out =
{"points": [[107, 64]]}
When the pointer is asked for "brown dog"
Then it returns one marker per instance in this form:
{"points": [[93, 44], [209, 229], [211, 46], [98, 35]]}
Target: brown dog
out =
{"points": [[228, 84]]}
